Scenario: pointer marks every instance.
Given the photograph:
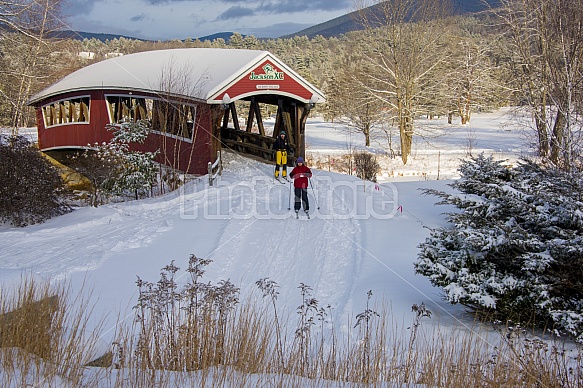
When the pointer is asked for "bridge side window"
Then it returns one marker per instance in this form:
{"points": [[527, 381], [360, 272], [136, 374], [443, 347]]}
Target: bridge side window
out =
{"points": [[174, 119], [73, 110], [128, 108]]}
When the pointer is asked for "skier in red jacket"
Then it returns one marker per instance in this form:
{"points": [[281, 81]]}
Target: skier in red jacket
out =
{"points": [[300, 174]]}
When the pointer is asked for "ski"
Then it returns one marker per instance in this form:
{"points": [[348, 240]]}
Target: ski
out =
{"points": [[298, 215], [280, 181]]}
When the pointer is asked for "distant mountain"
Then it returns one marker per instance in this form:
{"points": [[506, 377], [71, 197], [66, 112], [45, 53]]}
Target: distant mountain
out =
{"points": [[334, 27], [463, 7], [350, 22], [224, 35], [80, 35]]}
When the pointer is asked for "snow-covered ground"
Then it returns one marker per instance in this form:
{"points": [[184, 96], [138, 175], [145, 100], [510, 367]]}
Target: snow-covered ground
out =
{"points": [[437, 146], [361, 236]]}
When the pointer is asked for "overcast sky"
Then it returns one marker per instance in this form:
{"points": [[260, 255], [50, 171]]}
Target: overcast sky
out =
{"points": [[181, 19]]}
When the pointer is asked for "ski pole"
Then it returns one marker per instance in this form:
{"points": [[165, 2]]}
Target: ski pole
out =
{"points": [[314, 194], [289, 198]]}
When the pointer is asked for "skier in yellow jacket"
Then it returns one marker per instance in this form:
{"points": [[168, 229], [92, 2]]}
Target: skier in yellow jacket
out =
{"points": [[281, 147]]}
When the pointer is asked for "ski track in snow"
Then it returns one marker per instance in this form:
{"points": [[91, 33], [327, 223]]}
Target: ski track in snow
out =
{"points": [[241, 251], [328, 248]]}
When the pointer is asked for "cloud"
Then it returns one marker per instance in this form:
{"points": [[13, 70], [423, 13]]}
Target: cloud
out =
{"points": [[164, 2], [79, 7], [161, 2], [296, 6], [269, 7], [156, 2], [138, 18], [87, 25], [235, 12]]}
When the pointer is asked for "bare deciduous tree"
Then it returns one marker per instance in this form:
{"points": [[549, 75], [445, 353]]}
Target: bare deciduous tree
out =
{"points": [[405, 41], [547, 41], [471, 78], [357, 107], [170, 117], [27, 44]]}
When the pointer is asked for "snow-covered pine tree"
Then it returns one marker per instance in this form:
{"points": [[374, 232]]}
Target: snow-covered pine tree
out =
{"points": [[515, 248], [137, 170], [114, 168]]}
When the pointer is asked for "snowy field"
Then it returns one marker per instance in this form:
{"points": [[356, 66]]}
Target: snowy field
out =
{"points": [[361, 236], [437, 146]]}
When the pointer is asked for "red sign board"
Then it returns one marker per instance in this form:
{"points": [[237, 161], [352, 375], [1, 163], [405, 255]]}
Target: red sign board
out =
{"points": [[267, 76]]}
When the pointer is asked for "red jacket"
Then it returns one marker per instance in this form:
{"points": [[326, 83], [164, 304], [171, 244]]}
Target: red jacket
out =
{"points": [[300, 175]]}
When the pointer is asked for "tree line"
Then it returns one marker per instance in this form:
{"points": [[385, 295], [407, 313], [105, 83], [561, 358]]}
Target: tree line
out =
{"points": [[412, 59]]}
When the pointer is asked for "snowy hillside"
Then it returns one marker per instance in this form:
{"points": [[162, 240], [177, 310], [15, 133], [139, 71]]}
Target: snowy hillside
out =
{"points": [[361, 236]]}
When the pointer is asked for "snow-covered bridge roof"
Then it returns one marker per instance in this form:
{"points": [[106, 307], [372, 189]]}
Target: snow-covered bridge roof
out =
{"points": [[200, 73]]}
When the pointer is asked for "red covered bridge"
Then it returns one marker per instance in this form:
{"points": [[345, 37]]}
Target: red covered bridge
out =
{"points": [[191, 97]]}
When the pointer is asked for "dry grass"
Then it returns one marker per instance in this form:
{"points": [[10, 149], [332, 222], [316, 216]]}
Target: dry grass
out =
{"points": [[42, 339], [43, 334]]}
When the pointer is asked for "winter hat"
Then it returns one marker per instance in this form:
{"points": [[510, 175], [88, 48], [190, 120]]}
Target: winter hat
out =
{"points": [[282, 133], [300, 160]]}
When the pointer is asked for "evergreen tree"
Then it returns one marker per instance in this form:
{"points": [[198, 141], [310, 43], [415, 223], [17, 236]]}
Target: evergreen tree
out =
{"points": [[136, 170], [114, 168], [516, 246]]}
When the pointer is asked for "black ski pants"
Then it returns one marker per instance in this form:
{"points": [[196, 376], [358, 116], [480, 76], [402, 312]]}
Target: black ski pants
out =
{"points": [[301, 195]]}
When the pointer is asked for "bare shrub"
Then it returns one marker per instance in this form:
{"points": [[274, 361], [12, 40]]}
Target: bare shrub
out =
{"points": [[366, 166], [98, 168], [32, 190]]}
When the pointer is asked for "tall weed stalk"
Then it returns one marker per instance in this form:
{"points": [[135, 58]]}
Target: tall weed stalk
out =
{"points": [[44, 335]]}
